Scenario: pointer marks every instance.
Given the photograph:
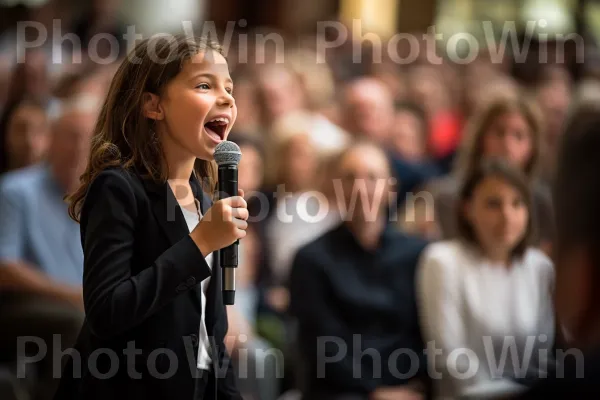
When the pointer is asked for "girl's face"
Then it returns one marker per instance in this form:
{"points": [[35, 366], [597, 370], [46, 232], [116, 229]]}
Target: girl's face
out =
{"points": [[197, 109], [509, 137], [498, 214], [27, 136]]}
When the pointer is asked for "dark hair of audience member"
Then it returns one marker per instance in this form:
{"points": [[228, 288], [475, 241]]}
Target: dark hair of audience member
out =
{"points": [[576, 191], [471, 152], [416, 110], [514, 177], [7, 114]]}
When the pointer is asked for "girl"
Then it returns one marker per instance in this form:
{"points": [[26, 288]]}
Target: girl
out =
{"points": [[486, 295], [152, 284]]}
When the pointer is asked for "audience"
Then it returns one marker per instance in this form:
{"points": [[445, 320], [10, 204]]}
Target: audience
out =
{"points": [[24, 134], [487, 289], [409, 133], [508, 128], [352, 292], [458, 142], [368, 109], [259, 368], [41, 260], [295, 217]]}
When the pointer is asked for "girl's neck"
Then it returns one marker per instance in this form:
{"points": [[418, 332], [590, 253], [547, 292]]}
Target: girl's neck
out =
{"points": [[179, 163], [180, 169]]}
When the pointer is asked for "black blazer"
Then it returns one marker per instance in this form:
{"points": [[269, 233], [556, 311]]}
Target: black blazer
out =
{"points": [[142, 294]]}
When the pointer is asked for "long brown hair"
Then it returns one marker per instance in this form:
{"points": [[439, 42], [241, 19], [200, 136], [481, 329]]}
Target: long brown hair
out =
{"points": [[123, 136], [510, 174], [471, 153]]}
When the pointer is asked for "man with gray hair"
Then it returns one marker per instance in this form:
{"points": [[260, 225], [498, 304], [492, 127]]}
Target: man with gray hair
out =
{"points": [[41, 260]]}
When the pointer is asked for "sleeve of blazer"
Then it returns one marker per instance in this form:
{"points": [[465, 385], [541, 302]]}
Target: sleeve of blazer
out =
{"points": [[115, 299]]}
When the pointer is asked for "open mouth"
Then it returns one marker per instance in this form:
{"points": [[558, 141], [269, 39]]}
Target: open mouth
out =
{"points": [[216, 128]]}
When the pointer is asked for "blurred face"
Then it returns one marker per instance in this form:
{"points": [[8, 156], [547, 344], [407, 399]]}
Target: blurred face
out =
{"points": [[408, 136], [250, 170], [197, 110], [365, 177], [498, 214], [509, 137], [70, 146], [300, 163], [427, 88], [369, 110], [27, 136], [281, 93]]}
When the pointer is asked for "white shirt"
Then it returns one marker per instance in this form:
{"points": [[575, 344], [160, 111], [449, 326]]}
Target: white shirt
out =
{"points": [[469, 305], [204, 351], [303, 220]]}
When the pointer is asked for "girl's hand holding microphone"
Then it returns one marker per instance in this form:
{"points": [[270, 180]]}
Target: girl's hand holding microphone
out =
{"points": [[224, 223]]}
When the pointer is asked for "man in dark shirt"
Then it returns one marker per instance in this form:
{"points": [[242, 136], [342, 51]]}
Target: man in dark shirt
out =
{"points": [[577, 198], [352, 293]]}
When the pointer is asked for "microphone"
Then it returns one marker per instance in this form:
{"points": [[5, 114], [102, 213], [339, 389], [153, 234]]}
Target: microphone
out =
{"points": [[228, 155]]}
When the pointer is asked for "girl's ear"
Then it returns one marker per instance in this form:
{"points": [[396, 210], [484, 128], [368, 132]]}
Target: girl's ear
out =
{"points": [[151, 106]]}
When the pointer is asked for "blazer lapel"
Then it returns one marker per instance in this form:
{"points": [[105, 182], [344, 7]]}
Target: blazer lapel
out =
{"points": [[170, 217], [167, 211]]}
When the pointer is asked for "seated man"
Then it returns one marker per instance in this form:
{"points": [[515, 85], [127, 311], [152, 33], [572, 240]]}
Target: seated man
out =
{"points": [[41, 260], [353, 295]]}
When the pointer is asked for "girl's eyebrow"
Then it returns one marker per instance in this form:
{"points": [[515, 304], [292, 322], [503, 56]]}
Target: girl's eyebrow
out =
{"points": [[210, 76]]}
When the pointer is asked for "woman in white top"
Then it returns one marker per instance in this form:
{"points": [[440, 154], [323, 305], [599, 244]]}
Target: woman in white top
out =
{"points": [[485, 298]]}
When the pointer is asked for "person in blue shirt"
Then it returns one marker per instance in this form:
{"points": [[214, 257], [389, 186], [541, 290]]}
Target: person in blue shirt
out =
{"points": [[41, 261]]}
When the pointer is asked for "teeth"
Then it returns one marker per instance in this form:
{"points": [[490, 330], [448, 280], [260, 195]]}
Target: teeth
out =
{"points": [[220, 120]]}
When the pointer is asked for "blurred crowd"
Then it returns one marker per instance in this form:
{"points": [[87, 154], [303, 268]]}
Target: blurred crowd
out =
{"points": [[402, 203]]}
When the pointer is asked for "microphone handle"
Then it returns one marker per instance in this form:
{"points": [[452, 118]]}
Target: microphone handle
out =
{"points": [[228, 256]]}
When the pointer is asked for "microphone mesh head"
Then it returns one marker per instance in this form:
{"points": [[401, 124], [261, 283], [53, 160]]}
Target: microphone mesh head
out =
{"points": [[227, 153]]}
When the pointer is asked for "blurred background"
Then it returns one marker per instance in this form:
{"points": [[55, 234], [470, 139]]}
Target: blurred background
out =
{"points": [[421, 78]]}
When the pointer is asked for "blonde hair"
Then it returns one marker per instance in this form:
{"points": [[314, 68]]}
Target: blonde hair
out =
{"points": [[317, 79], [285, 129]]}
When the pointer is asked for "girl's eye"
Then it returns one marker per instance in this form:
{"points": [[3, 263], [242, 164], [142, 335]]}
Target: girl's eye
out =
{"points": [[229, 90], [203, 86]]}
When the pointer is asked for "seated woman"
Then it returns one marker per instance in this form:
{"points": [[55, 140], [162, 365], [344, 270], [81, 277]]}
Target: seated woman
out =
{"points": [[484, 298], [509, 128]]}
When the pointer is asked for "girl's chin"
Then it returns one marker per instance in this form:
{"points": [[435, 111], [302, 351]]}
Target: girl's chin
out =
{"points": [[204, 150]]}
